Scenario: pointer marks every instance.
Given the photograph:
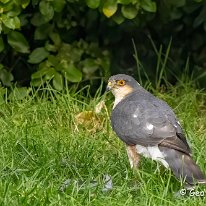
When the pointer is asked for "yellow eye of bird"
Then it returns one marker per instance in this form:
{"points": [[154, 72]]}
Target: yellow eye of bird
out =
{"points": [[121, 82]]}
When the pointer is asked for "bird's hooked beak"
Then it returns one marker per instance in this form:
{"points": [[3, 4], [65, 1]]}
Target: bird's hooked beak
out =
{"points": [[110, 85]]}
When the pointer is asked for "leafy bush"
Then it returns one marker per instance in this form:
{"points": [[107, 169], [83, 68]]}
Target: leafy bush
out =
{"points": [[43, 44], [68, 41]]}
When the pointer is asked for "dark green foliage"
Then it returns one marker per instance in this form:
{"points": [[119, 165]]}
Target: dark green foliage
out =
{"points": [[67, 41]]}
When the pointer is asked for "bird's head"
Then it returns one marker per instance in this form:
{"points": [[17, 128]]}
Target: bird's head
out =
{"points": [[121, 85]]}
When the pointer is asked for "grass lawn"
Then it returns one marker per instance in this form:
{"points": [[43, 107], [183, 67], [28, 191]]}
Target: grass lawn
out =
{"points": [[45, 143]]}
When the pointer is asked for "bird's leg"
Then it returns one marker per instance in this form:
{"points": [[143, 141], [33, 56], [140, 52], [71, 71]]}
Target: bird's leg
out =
{"points": [[134, 157]]}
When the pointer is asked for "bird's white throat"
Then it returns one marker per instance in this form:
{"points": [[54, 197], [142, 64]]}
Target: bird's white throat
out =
{"points": [[117, 100], [120, 93]]}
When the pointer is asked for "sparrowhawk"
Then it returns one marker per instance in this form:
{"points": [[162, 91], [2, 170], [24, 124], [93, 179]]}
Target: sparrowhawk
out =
{"points": [[149, 127]]}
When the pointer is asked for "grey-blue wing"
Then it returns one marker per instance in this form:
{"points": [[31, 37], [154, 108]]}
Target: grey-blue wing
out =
{"points": [[148, 123]]}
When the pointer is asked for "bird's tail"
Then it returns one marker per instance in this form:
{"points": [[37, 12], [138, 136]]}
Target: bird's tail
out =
{"points": [[183, 166]]}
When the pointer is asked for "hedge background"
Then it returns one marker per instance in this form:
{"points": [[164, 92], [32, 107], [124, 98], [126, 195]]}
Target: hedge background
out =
{"points": [[71, 41]]}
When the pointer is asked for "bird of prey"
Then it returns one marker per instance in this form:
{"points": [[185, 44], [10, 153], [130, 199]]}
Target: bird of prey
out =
{"points": [[149, 127]]}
